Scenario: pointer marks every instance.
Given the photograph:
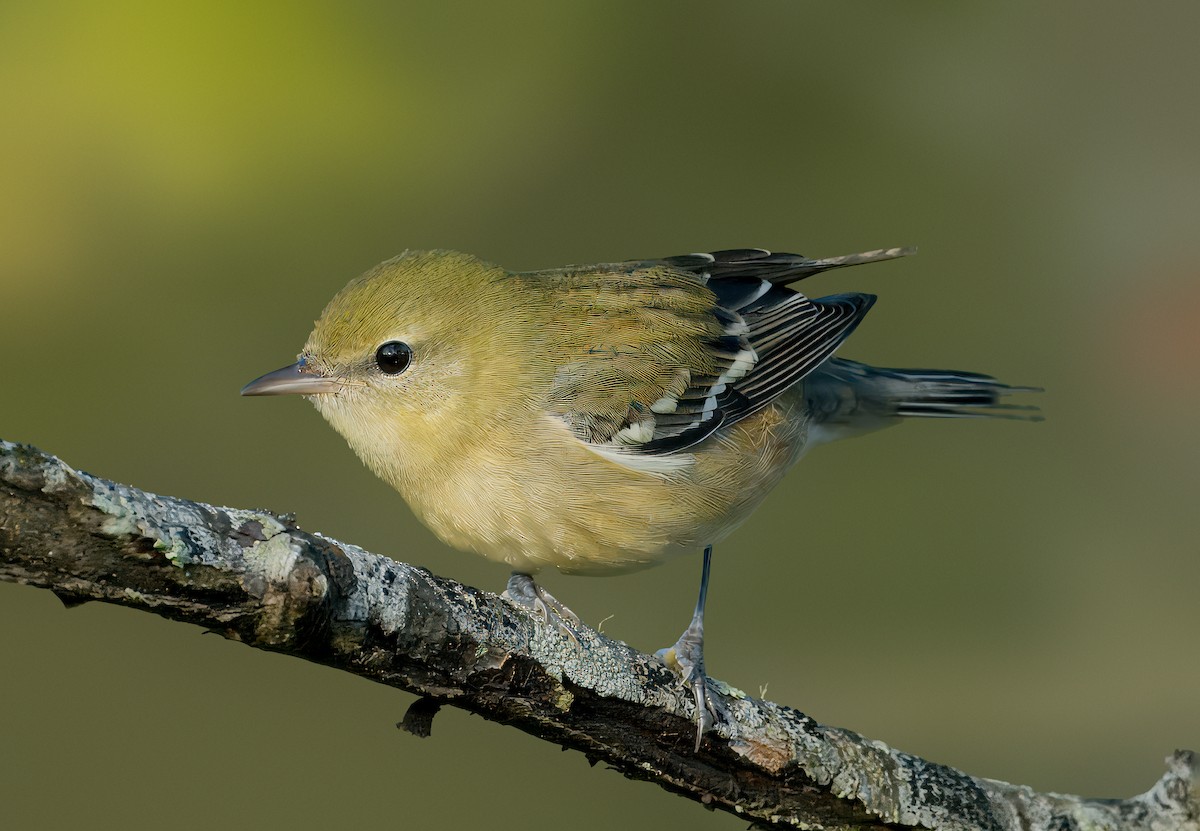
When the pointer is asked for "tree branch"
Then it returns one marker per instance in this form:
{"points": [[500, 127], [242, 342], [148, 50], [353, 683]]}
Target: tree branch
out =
{"points": [[257, 578]]}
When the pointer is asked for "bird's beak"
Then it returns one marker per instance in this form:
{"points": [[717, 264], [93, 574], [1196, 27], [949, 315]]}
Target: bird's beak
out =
{"points": [[297, 379]]}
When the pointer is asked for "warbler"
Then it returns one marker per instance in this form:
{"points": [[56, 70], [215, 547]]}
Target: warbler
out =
{"points": [[604, 418]]}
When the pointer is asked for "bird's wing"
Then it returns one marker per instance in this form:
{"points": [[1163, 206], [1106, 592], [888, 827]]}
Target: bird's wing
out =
{"points": [[759, 264], [667, 351]]}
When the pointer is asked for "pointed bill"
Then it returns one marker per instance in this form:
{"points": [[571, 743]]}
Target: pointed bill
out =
{"points": [[296, 379]]}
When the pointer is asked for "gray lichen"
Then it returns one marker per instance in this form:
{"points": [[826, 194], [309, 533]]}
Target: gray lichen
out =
{"points": [[256, 577]]}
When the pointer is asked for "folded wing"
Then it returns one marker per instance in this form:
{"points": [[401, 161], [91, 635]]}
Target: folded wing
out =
{"points": [[672, 350]]}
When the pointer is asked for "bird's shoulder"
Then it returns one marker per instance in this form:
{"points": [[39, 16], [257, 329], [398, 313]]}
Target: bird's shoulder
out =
{"points": [[628, 344]]}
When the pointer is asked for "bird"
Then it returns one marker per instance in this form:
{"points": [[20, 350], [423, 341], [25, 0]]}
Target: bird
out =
{"points": [[601, 419]]}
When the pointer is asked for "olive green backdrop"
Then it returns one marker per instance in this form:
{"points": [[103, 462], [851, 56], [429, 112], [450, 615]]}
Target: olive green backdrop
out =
{"points": [[183, 187]]}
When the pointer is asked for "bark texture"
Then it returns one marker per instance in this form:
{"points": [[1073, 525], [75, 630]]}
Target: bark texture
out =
{"points": [[257, 578]]}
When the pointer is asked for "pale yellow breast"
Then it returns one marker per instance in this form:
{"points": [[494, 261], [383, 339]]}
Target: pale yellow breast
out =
{"points": [[555, 502]]}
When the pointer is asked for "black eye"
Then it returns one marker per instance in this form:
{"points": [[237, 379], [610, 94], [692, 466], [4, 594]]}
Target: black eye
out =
{"points": [[393, 357]]}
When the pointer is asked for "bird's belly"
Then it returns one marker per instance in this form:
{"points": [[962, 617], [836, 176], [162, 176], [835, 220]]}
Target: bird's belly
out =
{"points": [[564, 506], [530, 523]]}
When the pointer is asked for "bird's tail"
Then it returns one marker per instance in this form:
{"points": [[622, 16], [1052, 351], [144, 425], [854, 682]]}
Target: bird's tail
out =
{"points": [[847, 398]]}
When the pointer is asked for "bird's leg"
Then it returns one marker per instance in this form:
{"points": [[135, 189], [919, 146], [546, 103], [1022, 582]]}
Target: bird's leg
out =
{"points": [[523, 591], [686, 658]]}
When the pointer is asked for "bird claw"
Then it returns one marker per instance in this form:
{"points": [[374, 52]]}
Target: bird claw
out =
{"points": [[524, 592], [686, 660]]}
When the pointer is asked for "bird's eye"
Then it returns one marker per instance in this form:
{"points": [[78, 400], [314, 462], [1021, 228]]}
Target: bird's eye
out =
{"points": [[393, 357]]}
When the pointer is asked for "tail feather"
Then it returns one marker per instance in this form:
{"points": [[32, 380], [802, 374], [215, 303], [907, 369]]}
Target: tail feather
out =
{"points": [[848, 398]]}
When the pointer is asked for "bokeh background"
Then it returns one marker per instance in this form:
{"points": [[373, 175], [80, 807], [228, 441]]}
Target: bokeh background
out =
{"points": [[184, 186]]}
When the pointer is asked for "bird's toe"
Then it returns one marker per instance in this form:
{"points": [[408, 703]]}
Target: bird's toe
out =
{"points": [[523, 591]]}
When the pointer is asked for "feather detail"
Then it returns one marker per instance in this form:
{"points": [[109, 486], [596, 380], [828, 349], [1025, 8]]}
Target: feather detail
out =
{"points": [[656, 464], [663, 353]]}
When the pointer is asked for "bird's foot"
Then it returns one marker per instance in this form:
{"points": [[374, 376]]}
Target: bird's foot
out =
{"points": [[686, 659], [524, 592]]}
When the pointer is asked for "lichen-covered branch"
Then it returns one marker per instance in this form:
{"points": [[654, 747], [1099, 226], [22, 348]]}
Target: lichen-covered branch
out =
{"points": [[259, 579]]}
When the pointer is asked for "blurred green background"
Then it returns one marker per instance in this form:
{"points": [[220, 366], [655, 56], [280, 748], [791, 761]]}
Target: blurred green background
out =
{"points": [[184, 186]]}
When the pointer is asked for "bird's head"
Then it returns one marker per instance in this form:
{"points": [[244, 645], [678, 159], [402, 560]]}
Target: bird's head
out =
{"points": [[401, 357]]}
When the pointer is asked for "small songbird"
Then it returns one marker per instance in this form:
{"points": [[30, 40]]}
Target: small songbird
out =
{"points": [[602, 418]]}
